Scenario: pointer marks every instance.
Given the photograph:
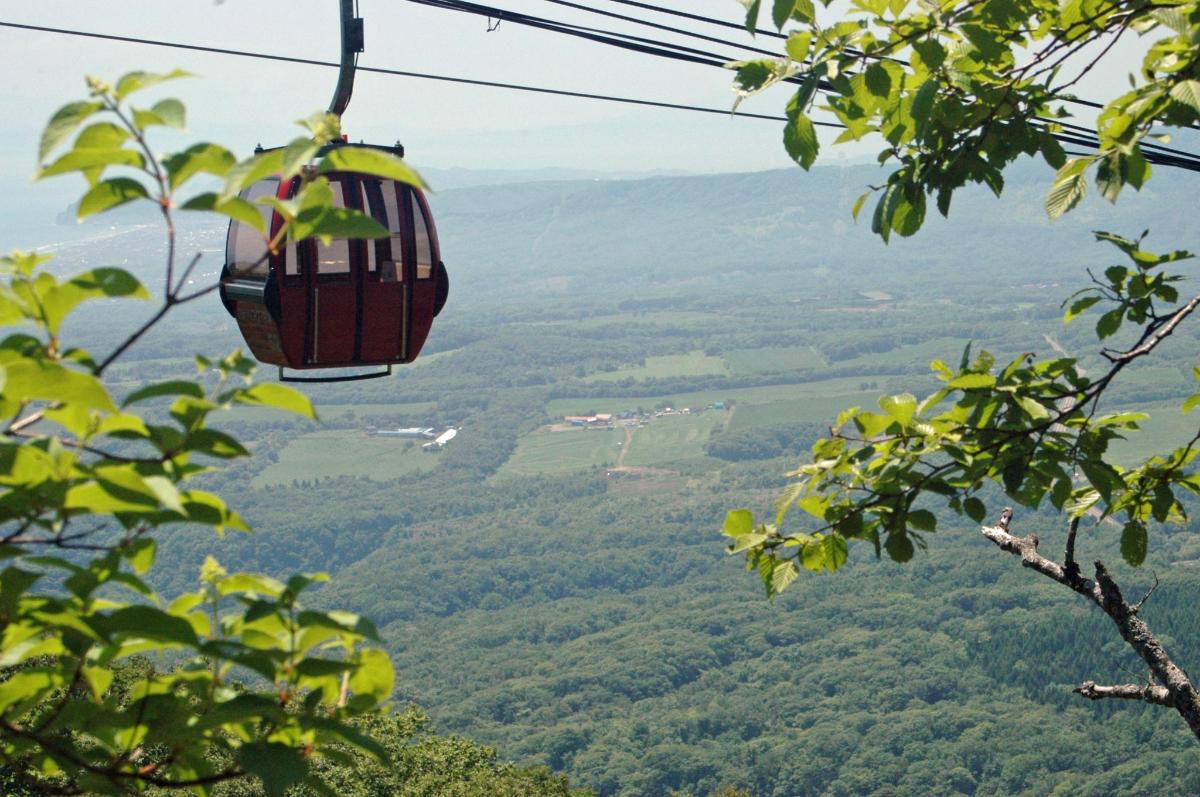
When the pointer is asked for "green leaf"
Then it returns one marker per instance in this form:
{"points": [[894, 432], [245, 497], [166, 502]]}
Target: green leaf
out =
{"points": [[1034, 408], [278, 396], [100, 283], [250, 171], [374, 677], [215, 444], [971, 381], [1188, 93], [141, 555], [783, 576], [87, 159], [1082, 502], [781, 12], [922, 106], [63, 123], [752, 7], [1069, 188], [136, 81], [798, 45], [174, 387], [110, 194], [234, 207], [1191, 403], [836, 551], [745, 542], [277, 765], [800, 140], [908, 214], [858, 204], [738, 522], [975, 509], [171, 112], [922, 520], [370, 161], [1134, 542], [1109, 323], [98, 679], [1078, 307], [147, 622], [24, 689], [328, 223], [296, 155], [899, 547], [902, 407], [198, 159], [28, 380]]}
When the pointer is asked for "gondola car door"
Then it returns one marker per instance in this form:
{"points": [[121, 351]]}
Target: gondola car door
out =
{"points": [[385, 295], [331, 279]]}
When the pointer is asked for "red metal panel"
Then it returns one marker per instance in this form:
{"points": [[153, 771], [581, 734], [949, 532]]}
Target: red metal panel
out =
{"points": [[293, 296]]}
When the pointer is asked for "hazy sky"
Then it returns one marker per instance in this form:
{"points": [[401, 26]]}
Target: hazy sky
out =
{"points": [[240, 102]]}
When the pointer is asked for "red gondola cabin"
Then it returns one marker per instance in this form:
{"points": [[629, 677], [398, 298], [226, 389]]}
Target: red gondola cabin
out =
{"points": [[353, 303]]}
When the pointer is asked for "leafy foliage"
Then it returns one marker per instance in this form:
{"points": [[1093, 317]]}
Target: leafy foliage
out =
{"points": [[259, 683], [1032, 428], [958, 91]]}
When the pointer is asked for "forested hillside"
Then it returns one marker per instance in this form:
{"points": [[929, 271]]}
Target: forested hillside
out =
{"points": [[563, 593]]}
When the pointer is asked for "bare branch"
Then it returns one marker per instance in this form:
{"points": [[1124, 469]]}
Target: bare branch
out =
{"points": [[1105, 593], [1149, 693], [1070, 566], [1137, 607], [1154, 334]]}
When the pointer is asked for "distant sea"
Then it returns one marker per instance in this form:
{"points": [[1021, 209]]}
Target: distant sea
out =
{"points": [[37, 225]]}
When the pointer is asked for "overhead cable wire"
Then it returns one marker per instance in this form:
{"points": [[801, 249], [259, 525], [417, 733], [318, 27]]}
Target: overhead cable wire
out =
{"points": [[403, 73], [659, 48], [698, 18], [624, 41], [668, 28], [1178, 159]]}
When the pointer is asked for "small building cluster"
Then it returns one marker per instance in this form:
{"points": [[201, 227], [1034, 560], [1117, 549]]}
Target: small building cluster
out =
{"points": [[599, 419]]}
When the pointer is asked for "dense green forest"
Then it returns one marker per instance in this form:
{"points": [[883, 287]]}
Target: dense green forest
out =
{"points": [[563, 595]]}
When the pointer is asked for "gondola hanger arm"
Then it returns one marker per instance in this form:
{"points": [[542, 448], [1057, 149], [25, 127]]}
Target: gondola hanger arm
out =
{"points": [[352, 45]]}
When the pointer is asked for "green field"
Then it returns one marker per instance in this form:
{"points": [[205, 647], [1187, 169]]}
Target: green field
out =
{"points": [[563, 452], [821, 409], [791, 358], [337, 452], [694, 363], [766, 394], [674, 438], [948, 349], [336, 412], [664, 317]]}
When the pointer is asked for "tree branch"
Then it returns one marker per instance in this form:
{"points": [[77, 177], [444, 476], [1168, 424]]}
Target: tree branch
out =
{"points": [[1105, 593], [1150, 693], [1070, 566]]}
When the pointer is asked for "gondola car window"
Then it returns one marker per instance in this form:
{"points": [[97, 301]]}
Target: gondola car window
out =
{"points": [[424, 248], [372, 203], [335, 258], [392, 270], [247, 248]]}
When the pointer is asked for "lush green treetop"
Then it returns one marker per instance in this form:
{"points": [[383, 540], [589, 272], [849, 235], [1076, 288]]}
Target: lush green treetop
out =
{"points": [[957, 90]]}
